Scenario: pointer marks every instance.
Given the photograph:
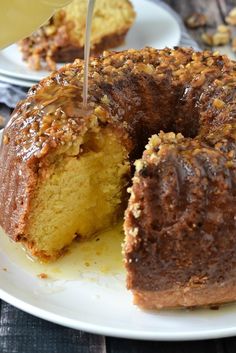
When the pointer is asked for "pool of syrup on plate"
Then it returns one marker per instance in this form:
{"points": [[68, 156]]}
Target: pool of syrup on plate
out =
{"points": [[100, 255]]}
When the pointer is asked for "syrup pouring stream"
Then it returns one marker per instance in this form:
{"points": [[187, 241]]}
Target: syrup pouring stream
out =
{"points": [[90, 9]]}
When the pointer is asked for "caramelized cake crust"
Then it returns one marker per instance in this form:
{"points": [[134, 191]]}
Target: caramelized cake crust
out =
{"points": [[180, 222]]}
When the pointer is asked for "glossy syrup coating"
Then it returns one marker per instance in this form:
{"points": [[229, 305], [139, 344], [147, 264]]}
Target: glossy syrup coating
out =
{"points": [[180, 224], [185, 237]]}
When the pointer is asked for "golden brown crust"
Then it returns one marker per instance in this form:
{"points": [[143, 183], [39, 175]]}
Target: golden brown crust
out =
{"points": [[69, 53], [185, 297], [180, 222]]}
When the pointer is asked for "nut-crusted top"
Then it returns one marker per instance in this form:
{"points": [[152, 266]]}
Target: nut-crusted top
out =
{"points": [[123, 87]]}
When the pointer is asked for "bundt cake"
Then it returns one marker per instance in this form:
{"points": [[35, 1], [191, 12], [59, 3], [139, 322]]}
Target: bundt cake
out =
{"points": [[62, 38], [64, 171]]}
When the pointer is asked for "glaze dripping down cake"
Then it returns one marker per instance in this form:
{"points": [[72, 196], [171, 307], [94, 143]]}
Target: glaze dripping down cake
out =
{"points": [[64, 173]]}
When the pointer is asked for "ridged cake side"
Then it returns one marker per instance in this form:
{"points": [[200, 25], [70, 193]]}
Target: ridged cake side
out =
{"points": [[180, 225]]}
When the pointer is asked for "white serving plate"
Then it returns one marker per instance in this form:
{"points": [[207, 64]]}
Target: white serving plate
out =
{"points": [[154, 27], [16, 81]]}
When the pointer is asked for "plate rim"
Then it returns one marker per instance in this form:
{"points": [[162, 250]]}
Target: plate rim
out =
{"points": [[113, 332], [11, 80]]}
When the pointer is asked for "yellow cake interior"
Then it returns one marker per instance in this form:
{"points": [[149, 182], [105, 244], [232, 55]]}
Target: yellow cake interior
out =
{"points": [[110, 16], [79, 194]]}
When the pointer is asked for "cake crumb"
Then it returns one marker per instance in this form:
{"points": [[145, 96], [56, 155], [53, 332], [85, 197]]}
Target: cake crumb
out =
{"points": [[4, 269], [42, 275]]}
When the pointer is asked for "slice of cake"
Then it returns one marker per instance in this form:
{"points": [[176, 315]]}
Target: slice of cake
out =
{"points": [[62, 38]]}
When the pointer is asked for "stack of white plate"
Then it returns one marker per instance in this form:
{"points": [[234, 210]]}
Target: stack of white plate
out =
{"points": [[154, 27], [15, 71]]}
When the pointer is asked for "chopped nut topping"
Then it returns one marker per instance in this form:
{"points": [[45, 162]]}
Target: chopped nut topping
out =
{"points": [[105, 99], [154, 141], [49, 30], [133, 232], [218, 103], [231, 154], [136, 210], [139, 165], [199, 80], [129, 190], [229, 164]]}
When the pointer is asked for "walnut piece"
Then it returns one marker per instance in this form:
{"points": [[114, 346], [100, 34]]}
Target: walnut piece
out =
{"points": [[50, 30], [207, 39], [231, 18], [221, 37], [196, 20], [218, 103]]}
